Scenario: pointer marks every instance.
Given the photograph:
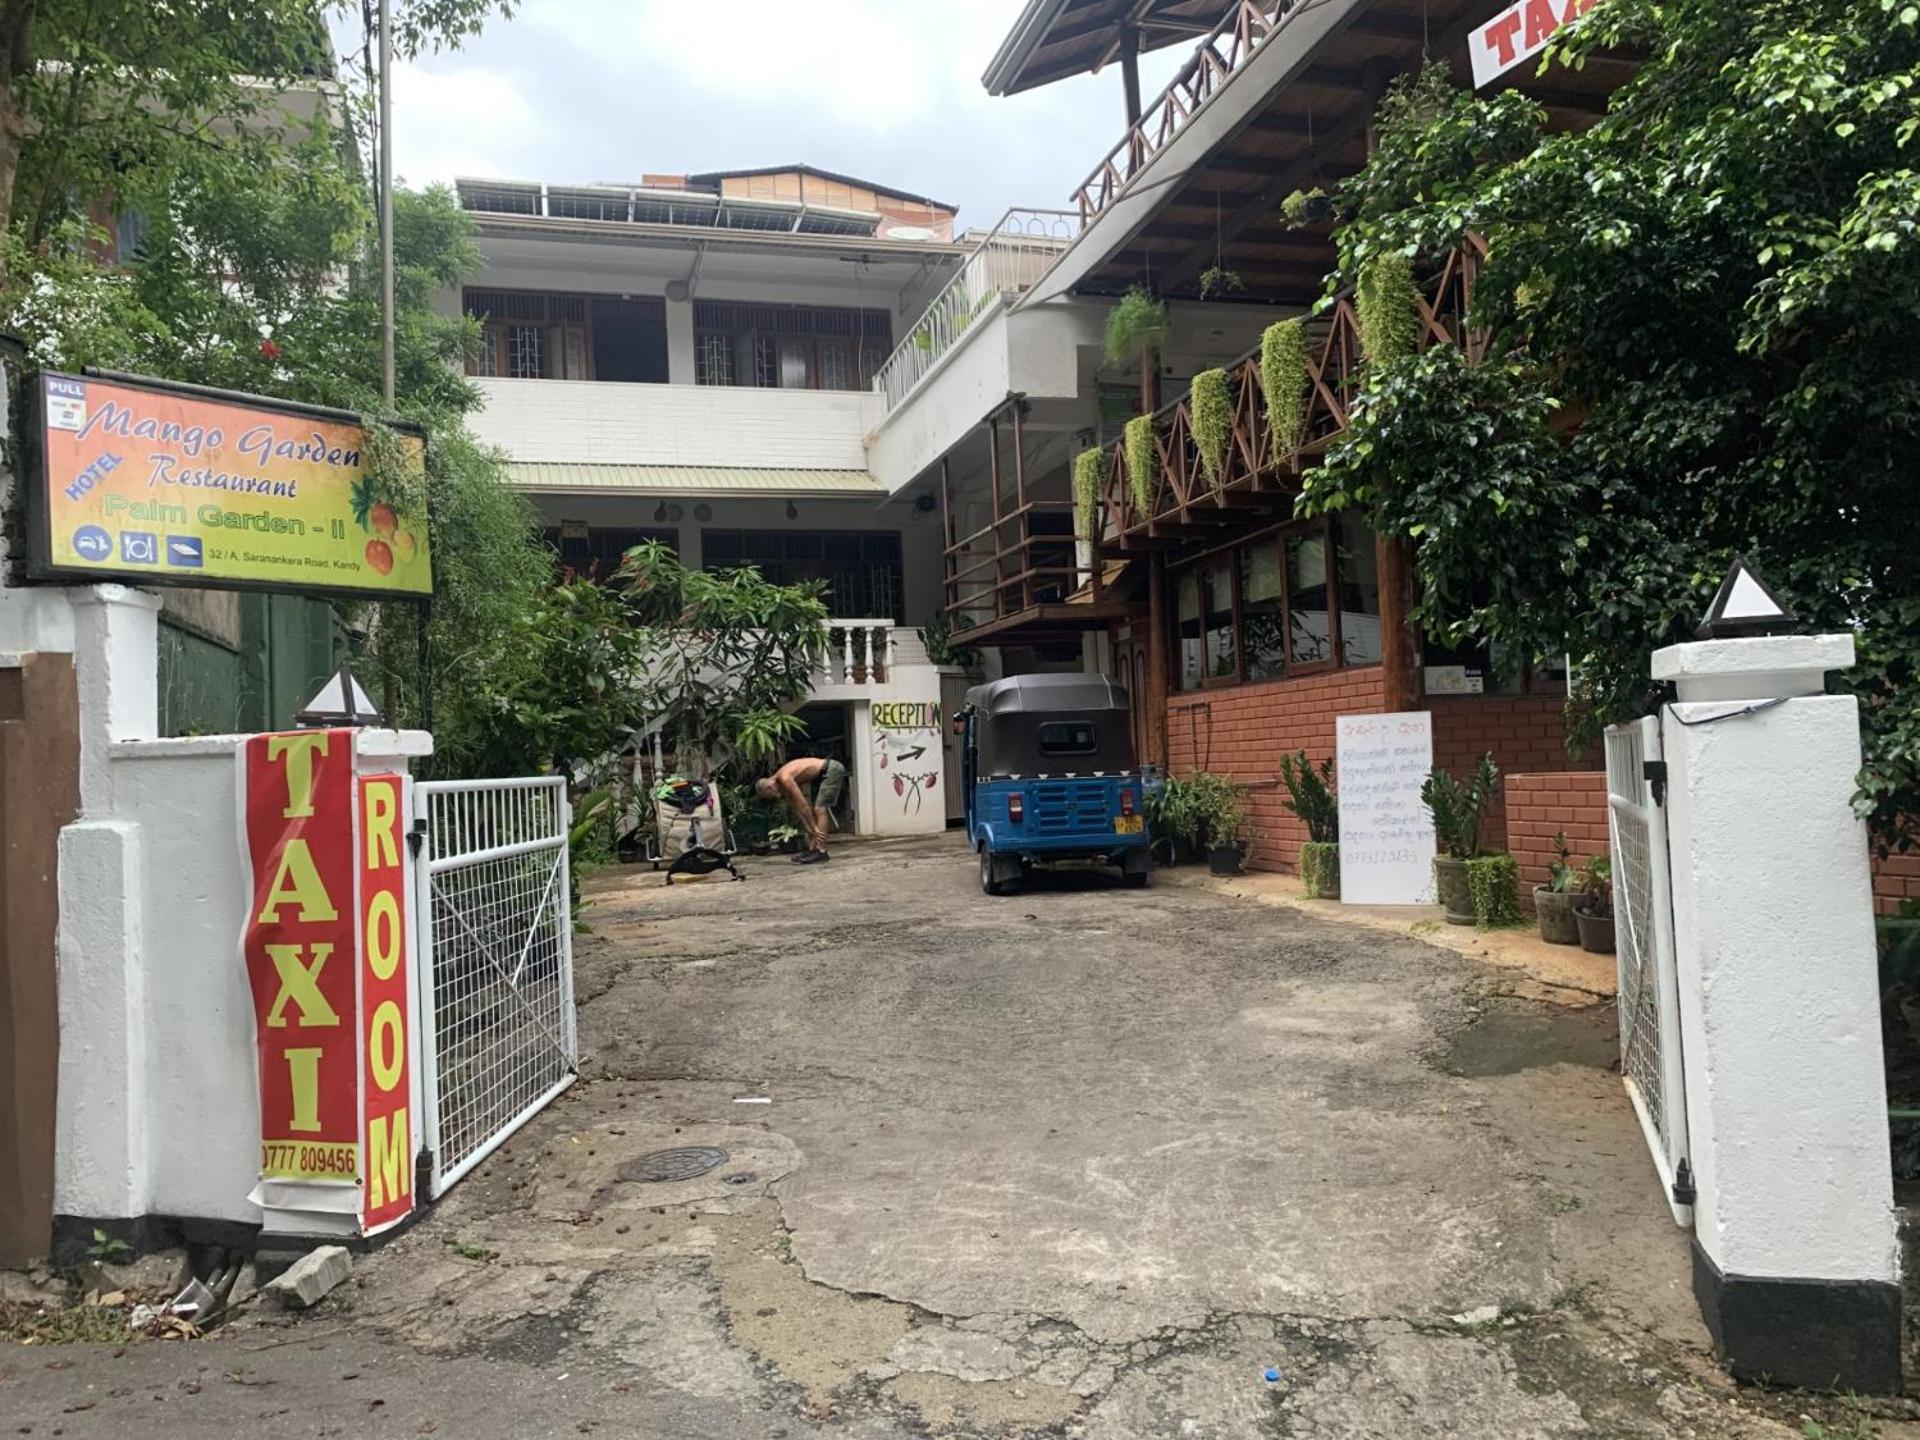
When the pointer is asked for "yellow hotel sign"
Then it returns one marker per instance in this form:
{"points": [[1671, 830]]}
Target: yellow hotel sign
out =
{"points": [[153, 484]]}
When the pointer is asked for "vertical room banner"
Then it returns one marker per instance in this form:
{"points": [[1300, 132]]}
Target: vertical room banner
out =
{"points": [[300, 952], [383, 998]]}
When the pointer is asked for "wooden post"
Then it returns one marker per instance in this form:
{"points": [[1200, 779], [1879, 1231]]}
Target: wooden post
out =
{"points": [[993, 479], [947, 558], [1155, 700], [1025, 559], [1130, 71], [1399, 640]]}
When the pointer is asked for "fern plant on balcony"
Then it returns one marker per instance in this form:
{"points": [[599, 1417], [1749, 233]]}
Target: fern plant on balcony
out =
{"points": [[1089, 476], [1135, 328], [1143, 459], [1212, 412], [1284, 376], [1387, 304]]}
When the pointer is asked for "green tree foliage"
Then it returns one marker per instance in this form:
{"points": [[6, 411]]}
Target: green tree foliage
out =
{"points": [[254, 266], [1704, 311]]}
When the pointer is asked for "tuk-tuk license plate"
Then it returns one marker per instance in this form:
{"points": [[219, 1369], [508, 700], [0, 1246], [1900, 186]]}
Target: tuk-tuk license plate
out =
{"points": [[1128, 824]]}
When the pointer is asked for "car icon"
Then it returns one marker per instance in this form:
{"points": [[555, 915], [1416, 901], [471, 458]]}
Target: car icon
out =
{"points": [[90, 542], [185, 551], [139, 547]]}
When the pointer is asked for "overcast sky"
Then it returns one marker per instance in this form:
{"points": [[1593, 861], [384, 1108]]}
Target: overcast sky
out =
{"points": [[888, 90]]}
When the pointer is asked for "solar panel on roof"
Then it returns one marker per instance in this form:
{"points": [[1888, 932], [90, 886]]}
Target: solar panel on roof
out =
{"points": [[500, 197]]}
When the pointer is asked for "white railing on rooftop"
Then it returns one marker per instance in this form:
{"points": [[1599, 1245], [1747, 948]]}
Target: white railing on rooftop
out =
{"points": [[1016, 252]]}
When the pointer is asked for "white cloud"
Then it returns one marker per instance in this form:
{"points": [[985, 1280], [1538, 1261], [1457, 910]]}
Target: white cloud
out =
{"points": [[455, 119]]}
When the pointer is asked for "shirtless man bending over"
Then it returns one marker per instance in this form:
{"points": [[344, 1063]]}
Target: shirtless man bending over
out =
{"points": [[826, 779]]}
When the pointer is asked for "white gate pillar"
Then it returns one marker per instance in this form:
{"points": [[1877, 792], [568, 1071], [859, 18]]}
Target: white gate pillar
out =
{"points": [[1795, 1259]]}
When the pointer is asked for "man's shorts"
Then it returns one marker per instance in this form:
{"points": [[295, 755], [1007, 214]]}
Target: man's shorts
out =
{"points": [[832, 785]]}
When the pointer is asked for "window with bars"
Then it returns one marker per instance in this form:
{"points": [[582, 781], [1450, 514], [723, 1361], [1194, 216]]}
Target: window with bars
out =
{"points": [[713, 360], [860, 568], [814, 347], [535, 335]]}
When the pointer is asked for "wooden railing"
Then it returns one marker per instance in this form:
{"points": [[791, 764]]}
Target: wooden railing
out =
{"points": [[1007, 566], [1232, 43], [1252, 465]]}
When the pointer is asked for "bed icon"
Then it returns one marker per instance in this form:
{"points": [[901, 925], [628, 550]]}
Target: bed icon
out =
{"points": [[185, 551]]}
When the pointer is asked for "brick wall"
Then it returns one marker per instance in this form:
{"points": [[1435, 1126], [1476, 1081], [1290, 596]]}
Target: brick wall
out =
{"points": [[1526, 733], [1896, 878], [1538, 807], [1242, 732]]}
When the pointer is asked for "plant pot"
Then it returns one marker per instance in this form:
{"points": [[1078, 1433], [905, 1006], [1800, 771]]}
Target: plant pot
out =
{"points": [[1320, 869], [1554, 909], [1224, 860], [1596, 932], [1450, 879], [1185, 852]]}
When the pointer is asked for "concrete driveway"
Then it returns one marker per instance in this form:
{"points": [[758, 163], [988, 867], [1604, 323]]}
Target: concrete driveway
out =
{"points": [[1081, 1161]]}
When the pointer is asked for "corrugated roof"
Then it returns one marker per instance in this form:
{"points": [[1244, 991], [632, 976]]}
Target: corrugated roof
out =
{"points": [[690, 479]]}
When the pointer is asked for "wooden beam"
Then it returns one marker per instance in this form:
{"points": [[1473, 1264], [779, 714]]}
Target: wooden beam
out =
{"points": [[1277, 189]]}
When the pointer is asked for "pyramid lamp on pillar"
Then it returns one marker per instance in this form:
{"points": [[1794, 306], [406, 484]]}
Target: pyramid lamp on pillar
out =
{"points": [[1745, 606], [340, 701]]}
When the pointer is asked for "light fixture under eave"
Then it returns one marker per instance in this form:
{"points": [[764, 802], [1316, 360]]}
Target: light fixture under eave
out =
{"points": [[1745, 606], [340, 701], [793, 511]]}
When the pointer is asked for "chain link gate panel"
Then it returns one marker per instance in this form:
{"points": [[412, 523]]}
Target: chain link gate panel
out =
{"points": [[1648, 977], [496, 956]]}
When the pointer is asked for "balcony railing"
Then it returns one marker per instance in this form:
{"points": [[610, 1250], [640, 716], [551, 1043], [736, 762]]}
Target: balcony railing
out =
{"points": [[1017, 251], [862, 655], [1182, 497], [1242, 31]]}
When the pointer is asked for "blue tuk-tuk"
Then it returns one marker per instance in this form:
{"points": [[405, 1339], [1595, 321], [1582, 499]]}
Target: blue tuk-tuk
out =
{"points": [[1049, 774]]}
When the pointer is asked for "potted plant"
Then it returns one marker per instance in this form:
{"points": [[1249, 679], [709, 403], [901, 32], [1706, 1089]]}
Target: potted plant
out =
{"points": [[1170, 817], [784, 839], [1311, 796], [1218, 814], [1494, 883], [1457, 809], [1553, 901], [1593, 910]]}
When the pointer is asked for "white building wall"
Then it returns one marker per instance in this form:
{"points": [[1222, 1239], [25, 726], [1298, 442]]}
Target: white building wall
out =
{"points": [[597, 422], [1033, 352]]}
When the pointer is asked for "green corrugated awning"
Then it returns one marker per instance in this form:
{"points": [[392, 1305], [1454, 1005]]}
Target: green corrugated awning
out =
{"points": [[552, 475]]}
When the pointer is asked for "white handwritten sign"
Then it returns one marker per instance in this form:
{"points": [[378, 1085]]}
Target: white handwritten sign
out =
{"points": [[1386, 835], [1518, 33]]}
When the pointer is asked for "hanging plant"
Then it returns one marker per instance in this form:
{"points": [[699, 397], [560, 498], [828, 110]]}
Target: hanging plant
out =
{"points": [[1212, 419], [1388, 306], [1089, 477], [1135, 327], [1216, 281], [1305, 207], [1143, 459], [1283, 376]]}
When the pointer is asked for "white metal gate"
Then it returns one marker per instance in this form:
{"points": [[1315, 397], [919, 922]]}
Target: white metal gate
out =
{"points": [[496, 954], [1649, 991]]}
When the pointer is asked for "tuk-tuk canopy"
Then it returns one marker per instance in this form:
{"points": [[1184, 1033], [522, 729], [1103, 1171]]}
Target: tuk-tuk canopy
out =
{"points": [[1051, 725]]}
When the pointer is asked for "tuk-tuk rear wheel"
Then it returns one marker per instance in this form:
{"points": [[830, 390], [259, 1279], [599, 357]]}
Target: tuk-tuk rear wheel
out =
{"points": [[990, 883]]}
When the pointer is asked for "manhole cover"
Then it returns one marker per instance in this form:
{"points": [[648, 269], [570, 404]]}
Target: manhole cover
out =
{"points": [[683, 1162]]}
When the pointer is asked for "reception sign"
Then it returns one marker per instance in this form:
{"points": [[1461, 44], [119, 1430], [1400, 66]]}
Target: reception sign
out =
{"points": [[153, 484], [328, 954]]}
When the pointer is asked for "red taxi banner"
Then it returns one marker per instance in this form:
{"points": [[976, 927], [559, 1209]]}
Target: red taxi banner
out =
{"points": [[385, 944], [300, 952]]}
